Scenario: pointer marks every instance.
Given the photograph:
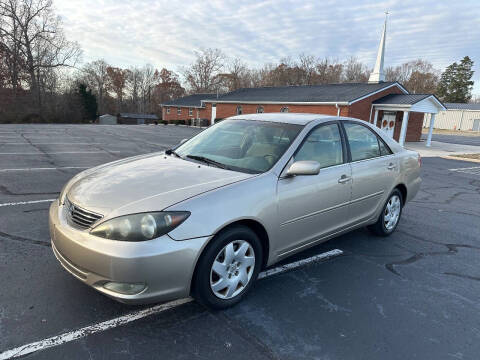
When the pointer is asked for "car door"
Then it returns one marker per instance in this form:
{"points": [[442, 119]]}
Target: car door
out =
{"points": [[374, 170], [311, 206]]}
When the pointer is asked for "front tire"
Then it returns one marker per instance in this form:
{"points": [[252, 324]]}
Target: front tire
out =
{"points": [[390, 216], [227, 268]]}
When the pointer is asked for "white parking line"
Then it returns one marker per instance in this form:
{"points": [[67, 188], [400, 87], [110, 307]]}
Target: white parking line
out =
{"points": [[44, 168], [475, 170], [26, 202], [136, 315], [60, 152], [70, 143], [296, 264]]}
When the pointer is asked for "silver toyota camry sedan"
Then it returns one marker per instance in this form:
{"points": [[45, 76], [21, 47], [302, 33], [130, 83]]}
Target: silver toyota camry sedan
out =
{"points": [[204, 218]]}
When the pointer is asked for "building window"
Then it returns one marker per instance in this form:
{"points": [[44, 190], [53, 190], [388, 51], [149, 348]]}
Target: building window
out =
{"points": [[284, 109], [190, 111], [260, 110], [168, 110], [239, 110], [179, 111]]}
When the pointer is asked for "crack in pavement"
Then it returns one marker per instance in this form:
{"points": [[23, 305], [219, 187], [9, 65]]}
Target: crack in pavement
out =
{"points": [[49, 158], [451, 250], [24, 239], [463, 276]]}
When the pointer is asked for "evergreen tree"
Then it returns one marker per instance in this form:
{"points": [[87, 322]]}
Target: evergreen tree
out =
{"points": [[89, 102], [456, 82]]}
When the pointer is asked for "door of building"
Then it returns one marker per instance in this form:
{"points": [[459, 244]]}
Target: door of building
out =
{"points": [[214, 114], [388, 122], [476, 125]]}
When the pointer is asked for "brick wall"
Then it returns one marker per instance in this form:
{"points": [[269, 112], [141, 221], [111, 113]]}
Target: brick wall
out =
{"points": [[414, 128], [226, 110], [197, 113], [361, 109]]}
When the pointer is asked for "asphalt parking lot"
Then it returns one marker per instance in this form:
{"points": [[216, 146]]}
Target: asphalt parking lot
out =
{"points": [[455, 139], [414, 295]]}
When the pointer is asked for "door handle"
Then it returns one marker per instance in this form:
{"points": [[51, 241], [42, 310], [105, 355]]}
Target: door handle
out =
{"points": [[391, 166], [344, 179]]}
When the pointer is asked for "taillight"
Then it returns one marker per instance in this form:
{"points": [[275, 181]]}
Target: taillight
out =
{"points": [[419, 160]]}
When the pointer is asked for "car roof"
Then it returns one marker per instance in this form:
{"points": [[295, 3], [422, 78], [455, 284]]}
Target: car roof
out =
{"points": [[286, 118]]}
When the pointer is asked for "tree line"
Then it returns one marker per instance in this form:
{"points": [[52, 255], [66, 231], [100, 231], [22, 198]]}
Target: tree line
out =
{"points": [[42, 78]]}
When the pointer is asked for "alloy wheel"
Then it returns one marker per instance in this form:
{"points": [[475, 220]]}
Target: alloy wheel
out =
{"points": [[392, 212]]}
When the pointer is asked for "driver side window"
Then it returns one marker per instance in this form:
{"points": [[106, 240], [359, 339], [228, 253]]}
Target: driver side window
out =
{"points": [[324, 145]]}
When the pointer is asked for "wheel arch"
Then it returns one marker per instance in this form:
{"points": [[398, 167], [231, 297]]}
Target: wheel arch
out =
{"points": [[252, 224], [403, 190]]}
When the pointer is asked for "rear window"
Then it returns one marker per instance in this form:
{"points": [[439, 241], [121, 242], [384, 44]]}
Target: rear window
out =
{"points": [[363, 142]]}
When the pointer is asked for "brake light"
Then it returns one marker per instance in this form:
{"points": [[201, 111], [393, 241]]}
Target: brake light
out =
{"points": [[419, 160]]}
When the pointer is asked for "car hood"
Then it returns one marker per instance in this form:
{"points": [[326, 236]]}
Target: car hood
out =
{"points": [[149, 183]]}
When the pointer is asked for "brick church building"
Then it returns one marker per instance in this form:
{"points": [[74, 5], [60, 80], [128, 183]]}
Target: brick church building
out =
{"points": [[387, 104]]}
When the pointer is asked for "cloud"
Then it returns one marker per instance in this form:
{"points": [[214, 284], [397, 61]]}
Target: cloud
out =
{"points": [[166, 33]]}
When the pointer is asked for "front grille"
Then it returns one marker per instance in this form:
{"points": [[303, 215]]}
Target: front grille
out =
{"points": [[76, 216]]}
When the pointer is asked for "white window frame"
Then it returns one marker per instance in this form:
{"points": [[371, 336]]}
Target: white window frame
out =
{"points": [[168, 110], [179, 111], [284, 109]]}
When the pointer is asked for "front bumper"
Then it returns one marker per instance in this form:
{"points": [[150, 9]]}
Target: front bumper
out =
{"points": [[164, 265]]}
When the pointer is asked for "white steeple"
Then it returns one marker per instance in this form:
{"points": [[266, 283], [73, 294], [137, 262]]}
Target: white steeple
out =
{"points": [[378, 75]]}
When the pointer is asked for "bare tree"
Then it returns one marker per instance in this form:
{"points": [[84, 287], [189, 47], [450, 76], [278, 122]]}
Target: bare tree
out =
{"points": [[95, 75], [168, 87], [238, 76], [117, 79], [355, 71], [418, 76], [11, 63], [328, 71], [202, 74], [134, 76], [149, 79], [35, 34], [307, 65]]}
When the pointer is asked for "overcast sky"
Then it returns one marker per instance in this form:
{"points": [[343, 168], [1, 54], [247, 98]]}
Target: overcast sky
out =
{"points": [[165, 33]]}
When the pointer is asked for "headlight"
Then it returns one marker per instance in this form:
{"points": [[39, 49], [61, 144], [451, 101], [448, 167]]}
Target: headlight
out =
{"points": [[140, 227]]}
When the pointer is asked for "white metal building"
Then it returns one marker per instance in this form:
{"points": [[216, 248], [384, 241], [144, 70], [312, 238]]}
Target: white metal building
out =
{"points": [[107, 119], [457, 117]]}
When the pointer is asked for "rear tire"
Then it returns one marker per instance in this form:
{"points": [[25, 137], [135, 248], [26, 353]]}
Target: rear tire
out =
{"points": [[227, 268], [390, 216]]}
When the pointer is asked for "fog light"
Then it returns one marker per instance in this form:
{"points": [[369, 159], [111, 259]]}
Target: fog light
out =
{"points": [[124, 288]]}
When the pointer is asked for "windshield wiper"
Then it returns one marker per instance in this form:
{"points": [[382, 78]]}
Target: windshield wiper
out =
{"points": [[208, 161], [172, 152]]}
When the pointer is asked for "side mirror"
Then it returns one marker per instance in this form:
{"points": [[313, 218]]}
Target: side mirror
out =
{"points": [[182, 141], [303, 168]]}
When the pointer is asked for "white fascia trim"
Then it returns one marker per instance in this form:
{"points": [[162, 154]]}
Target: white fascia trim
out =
{"points": [[182, 106], [280, 102], [380, 90], [465, 110], [434, 98], [392, 108], [377, 106]]}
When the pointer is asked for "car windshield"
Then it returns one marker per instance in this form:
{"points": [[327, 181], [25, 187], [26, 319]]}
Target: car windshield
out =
{"points": [[241, 145]]}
